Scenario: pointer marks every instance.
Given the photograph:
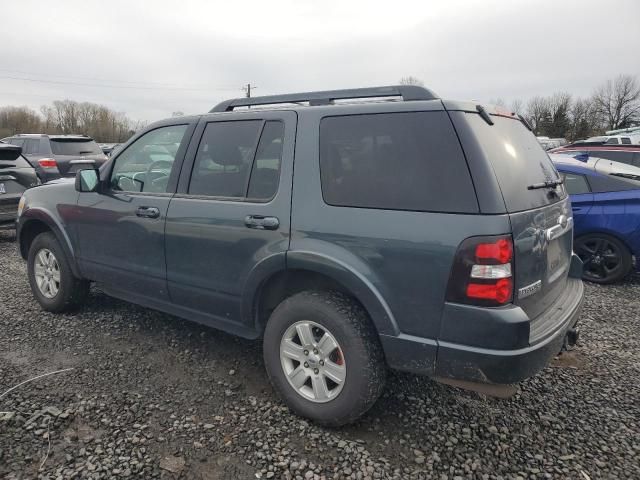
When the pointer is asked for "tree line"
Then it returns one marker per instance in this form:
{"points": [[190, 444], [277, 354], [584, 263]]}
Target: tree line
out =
{"points": [[614, 104], [68, 116]]}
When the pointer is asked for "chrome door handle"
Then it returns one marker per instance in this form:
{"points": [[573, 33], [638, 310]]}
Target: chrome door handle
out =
{"points": [[148, 212], [261, 223]]}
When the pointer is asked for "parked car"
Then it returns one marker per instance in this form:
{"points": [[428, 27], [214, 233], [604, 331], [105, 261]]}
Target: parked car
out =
{"points": [[431, 236], [629, 154], [616, 139], [605, 198], [16, 175], [55, 156]]}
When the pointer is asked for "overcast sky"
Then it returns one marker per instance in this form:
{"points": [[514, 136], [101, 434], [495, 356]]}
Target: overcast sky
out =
{"points": [[149, 59]]}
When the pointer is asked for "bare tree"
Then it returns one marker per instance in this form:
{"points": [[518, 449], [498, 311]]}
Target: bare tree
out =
{"points": [[517, 106], [584, 121], [537, 110], [617, 101], [19, 120], [411, 81], [556, 123]]}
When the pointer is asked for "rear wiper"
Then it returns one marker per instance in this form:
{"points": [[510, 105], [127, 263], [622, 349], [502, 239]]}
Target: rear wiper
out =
{"points": [[85, 151], [547, 184]]}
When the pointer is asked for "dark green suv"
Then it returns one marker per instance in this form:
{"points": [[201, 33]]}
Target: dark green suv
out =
{"points": [[352, 230]]}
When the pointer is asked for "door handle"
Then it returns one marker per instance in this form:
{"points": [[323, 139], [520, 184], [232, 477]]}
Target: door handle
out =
{"points": [[261, 223], [148, 212]]}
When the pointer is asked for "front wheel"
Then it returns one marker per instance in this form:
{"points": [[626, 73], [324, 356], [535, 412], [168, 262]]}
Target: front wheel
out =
{"points": [[323, 357], [50, 277], [606, 259]]}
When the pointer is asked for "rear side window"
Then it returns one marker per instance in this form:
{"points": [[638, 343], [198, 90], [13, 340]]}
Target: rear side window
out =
{"points": [[396, 161], [575, 184], [31, 146], [74, 147], [518, 161], [626, 140], [239, 159]]}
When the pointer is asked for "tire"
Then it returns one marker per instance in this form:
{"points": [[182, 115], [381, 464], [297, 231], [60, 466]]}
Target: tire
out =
{"points": [[606, 259], [358, 357], [70, 292]]}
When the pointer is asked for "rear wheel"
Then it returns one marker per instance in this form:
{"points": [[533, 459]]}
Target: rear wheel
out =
{"points": [[606, 259], [323, 357], [50, 277]]}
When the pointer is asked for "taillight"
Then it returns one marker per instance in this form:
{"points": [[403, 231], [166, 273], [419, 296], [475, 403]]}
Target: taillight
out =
{"points": [[482, 272], [47, 163]]}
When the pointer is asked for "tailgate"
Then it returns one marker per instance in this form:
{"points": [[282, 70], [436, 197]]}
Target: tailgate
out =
{"points": [[543, 241]]}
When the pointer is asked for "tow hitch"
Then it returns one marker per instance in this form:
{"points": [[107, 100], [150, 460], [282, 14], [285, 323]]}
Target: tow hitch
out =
{"points": [[570, 339]]}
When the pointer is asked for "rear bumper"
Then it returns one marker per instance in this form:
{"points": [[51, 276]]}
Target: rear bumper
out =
{"points": [[457, 361]]}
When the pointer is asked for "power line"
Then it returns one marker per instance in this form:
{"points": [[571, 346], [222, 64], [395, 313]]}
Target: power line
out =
{"points": [[7, 77], [47, 74]]}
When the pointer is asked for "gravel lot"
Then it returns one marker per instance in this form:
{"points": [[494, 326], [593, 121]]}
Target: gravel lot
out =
{"points": [[152, 396]]}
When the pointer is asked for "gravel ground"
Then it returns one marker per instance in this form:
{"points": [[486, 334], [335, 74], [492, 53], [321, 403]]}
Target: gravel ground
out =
{"points": [[152, 396]]}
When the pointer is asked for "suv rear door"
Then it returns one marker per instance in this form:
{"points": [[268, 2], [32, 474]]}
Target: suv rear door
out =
{"points": [[231, 214], [541, 219]]}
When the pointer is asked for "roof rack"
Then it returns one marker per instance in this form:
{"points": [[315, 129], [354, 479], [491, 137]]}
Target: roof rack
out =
{"points": [[407, 92]]}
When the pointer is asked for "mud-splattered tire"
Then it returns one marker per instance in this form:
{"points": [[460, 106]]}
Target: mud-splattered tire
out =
{"points": [[64, 291], [323, 357]]}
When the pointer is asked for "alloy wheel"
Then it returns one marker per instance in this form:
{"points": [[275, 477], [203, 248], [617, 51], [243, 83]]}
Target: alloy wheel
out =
{"points": [[47, 273], [602, 258], [312, 361]]}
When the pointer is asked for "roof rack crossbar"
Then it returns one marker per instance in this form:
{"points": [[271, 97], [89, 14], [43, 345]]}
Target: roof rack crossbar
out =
{"points": [[407, 92]]}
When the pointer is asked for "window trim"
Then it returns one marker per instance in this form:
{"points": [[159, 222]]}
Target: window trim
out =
{"points": [[175, 169], [244, 199]]}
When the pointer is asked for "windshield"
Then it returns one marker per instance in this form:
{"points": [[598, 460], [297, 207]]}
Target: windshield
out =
{"points": [[74, 147], [518, 161]]}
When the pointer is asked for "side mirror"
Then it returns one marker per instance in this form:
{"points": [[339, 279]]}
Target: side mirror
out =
{"points": [[88, 180]]}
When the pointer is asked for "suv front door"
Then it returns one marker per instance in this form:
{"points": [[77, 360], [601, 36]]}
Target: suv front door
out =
{"points": [[120, 230], [230, 217]]}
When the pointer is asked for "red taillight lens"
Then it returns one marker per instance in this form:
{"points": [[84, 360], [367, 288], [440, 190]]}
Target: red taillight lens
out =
{"points": [[482, 272], [47, 163], [500, 251], [500, 291]]}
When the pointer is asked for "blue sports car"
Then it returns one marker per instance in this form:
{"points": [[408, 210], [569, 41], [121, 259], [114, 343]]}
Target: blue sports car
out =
{"points": [[605, 197]]}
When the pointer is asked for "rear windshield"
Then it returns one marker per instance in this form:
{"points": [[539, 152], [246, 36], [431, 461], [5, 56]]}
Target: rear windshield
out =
{"points": [[74, 147], [518, 161]]}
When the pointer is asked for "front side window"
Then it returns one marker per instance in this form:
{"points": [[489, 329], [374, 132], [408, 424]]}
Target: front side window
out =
{"points": [[238, 159], [575, 184], [146, 164], [396, 161], [612, 141]]}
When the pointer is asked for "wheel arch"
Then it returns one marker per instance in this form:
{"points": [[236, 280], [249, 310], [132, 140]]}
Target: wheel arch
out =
{"points": [[35, 222], [316, 272]]}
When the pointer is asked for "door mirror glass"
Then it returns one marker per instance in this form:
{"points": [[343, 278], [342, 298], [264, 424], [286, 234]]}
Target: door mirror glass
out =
{"points": [[87, 180]]}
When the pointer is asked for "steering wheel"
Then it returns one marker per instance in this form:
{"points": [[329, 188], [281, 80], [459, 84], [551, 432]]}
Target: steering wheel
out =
{"points": [[156, 164]]}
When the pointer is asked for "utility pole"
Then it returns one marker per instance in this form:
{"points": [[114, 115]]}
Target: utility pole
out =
{"points": [[247, 90]]}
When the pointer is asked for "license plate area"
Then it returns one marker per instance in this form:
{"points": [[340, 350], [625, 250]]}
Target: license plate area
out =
{"points": [[556, 260]]}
